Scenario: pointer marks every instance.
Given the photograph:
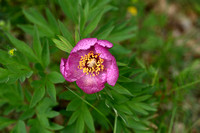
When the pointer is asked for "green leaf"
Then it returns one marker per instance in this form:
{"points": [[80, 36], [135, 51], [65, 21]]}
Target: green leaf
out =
{"points": [[105, 33], [37, 95], [77, 36], [10, 76], [121, 64], [63, 45], [55, 77], [145, 106], [51, 90], [28, 29], [4, 75], [123, 108], [27, 114], [74, 117], [36, 43], [21, 128], [141, 98], [88, 118], [74, 105], [45, 54], [71, 10], [35, 17], [120, 89], [121, 35], [137, 108], [66, 42], [136, 125], [52, 114], [22, 47], [4, 122], [80, 124], [93, 24], [52, 21], [118, 49], [66, 33], [36, 127], [54, 126], [124, 79], [43, 120]]}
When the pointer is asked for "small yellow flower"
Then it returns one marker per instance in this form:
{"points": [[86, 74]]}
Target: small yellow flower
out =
{"points": [[11, 52], [2, 23], [132, 10], [134, 1]]}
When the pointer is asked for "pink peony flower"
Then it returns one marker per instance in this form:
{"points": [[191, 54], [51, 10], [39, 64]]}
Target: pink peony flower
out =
{"points": [[91, 65]]}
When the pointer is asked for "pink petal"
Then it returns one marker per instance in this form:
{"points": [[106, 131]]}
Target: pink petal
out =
{"points": [[112, 72], [92, 84], [104, 53], [105, 43], [69, 68], [84, 44]]}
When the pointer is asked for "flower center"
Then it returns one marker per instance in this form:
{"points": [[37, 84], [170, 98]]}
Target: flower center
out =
{"points": [[91, 64]]}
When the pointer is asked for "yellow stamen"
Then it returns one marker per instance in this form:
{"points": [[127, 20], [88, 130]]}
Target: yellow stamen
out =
{"points": [[91, 64]]}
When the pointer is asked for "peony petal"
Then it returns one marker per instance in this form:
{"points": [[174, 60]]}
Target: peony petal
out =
{"points": [[104, 53], [105, 43], [112, 72], [92, 84], [84, 44], [69, 68]]}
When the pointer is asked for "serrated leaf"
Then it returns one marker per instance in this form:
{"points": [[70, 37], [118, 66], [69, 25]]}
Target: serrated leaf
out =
{"points": [[51, 90], [55, 77]]}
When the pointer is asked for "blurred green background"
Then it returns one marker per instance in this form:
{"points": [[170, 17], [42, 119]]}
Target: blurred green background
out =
{"points": [[161, 37]]}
